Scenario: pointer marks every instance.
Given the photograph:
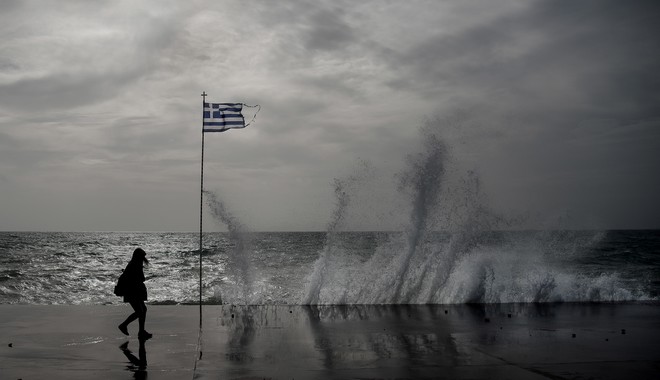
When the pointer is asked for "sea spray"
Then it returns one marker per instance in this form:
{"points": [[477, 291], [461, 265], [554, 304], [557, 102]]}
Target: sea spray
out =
{"points": [[445, 198], [322, 266], [453, 249], [423, 178], [401, 269], [532, 267], [238, 268]]}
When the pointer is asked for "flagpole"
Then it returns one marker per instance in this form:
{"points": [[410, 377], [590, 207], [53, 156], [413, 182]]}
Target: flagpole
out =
{"points": [[201, 208]]}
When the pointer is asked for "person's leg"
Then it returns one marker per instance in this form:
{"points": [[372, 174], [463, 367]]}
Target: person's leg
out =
{"points": [[142, 315], [136, 314]]}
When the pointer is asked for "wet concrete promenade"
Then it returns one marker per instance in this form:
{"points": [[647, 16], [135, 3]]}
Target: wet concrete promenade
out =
{"points": [[509, 341]]}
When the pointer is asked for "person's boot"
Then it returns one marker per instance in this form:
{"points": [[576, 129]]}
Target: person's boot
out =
{"points": [[123, 328]]}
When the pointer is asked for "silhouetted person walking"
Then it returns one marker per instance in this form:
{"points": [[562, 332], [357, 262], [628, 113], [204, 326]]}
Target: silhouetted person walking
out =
{"points": [[135, 293]]}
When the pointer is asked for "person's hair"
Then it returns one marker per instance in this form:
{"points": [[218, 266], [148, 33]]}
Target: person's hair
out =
{"points": [[140, 255]]}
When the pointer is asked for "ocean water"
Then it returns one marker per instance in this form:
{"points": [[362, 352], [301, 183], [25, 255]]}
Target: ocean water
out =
{"points": [[335, 267]]}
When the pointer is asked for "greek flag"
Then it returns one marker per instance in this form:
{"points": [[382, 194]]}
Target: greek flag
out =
{"points": [[219, 117]]}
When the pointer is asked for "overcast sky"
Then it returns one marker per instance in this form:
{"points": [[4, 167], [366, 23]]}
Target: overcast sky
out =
{"points": [[554, 105]]}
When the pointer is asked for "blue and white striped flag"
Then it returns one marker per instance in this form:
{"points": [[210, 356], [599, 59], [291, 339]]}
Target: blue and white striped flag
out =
{"points": [[219, 117]]}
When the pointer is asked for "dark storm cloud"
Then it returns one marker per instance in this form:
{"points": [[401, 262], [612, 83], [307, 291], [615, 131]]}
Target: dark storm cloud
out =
{"points": [[306, 32], [579, 86], [14, 155], [592, 57], [64, 90], [82, 69], [10, 5], [8, 66], [335, 84], [328, 31]]}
